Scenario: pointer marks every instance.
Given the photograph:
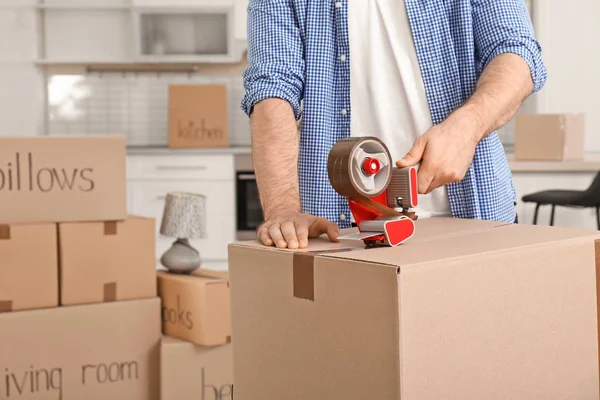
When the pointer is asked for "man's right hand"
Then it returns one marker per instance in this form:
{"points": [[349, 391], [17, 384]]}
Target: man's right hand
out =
{"points": [[293, 229]]}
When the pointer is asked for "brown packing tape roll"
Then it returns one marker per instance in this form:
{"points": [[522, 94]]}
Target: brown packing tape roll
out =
{"points": [[5, 306], [304, 271], [110, 228], [4, 232], [339, 166], [110, 292]]}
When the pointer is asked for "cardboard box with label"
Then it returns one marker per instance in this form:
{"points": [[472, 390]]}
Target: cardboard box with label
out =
{"points": [[196, 307], [463, 310], [56, 179], [192, 372], [549, 137], [28, 267], [107, 261], [198, 116], [92, 352]]}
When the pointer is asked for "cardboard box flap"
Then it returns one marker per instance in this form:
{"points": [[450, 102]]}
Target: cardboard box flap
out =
{"points": [[475, 243], [321, 243]]}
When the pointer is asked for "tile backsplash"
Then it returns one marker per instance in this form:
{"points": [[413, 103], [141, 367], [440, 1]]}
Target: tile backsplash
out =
{"points": [[131, 104]]}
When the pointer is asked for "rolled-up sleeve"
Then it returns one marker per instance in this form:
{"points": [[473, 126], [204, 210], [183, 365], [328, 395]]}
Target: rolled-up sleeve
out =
{"points": [[504, 26], [275, 55]]}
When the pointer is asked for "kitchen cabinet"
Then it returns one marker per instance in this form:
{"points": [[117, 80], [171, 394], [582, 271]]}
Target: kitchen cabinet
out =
{"points": [[98, 35], [83, 4], [142, 31], [185, 34], [180, 3], [151, 177]]}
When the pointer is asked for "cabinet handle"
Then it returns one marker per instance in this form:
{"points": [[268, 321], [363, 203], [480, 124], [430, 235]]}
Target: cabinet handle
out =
{"points": [[180, 167]]}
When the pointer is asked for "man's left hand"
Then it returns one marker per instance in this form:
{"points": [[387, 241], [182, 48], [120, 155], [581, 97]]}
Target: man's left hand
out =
{"points": [[445, 152]]}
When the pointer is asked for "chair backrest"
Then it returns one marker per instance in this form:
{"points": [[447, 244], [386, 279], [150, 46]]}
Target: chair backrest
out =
{"points": [[593, 191]]}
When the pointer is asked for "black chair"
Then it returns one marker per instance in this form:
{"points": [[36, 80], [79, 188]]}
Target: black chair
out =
{"points": [[588, 198]]}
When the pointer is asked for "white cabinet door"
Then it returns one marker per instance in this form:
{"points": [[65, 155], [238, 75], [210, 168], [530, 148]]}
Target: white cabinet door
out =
{"points": [[241, 19], [180, 3], [88, 35], [181, 167], [526, 183], [148, 200]]}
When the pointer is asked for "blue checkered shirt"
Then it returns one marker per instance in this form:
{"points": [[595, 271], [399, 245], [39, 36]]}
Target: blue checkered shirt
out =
{"points": [[293, 54]]}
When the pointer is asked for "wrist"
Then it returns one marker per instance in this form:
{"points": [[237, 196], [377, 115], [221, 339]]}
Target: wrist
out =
{"points": [[279, 209], [468, 120]]}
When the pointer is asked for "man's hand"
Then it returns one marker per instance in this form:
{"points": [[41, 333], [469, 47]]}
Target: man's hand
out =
{"points": [[445, 153], [446, 150], [292, 230]]}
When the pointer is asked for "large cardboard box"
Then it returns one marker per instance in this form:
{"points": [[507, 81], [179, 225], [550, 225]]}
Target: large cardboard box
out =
{"points": [[464, 310], [192, 372], [107, 261], [198, 116], [28, 267], [55, 179], [196, 307], [93, 352], [549, 137]]}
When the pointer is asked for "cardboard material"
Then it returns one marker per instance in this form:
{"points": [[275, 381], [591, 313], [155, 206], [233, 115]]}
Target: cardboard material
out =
{"points": [[196, 307], [55, 179], [477, 310], [549, 137], [198, 116], [28, 267], [192, 372], [93, 352], [107, 261]]}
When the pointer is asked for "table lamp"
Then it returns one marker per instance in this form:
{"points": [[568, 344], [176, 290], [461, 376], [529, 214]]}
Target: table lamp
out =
{"points": [[183, 218]]}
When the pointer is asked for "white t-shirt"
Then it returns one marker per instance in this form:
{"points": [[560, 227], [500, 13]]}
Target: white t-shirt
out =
{"points": [[387, 92]]}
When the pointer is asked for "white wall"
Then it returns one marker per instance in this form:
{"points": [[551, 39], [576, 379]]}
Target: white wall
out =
{"points": [[21, 82], [569, 32]]}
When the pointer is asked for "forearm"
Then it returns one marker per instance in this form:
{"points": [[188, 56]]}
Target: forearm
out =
{"points": [[503, 86], [275, 145]]}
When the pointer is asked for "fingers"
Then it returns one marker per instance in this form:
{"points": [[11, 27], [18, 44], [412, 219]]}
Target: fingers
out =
{"points": [[425, 176], [289, 234], [294, 231], [321, 225], [333, 232], [414, 155], [302, 232], [277, 236], [263, 235]]}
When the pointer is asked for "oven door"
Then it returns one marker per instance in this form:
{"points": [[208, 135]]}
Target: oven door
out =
{"points": [[249, 210]]}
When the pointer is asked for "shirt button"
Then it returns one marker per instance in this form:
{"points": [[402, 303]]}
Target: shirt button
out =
{"points": [[342, 58], [343, 217], [344, 111], [338, 4]]}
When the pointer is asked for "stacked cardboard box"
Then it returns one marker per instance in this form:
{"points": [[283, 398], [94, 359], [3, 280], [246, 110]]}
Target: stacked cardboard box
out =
{"points": [[79, 312], [196, 353]]}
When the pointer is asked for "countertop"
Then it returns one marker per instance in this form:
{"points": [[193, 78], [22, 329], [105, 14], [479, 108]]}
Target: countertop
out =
{"points": [[590, 164], [163, 151]]}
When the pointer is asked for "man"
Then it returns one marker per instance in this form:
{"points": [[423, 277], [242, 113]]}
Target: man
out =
{"points": [[433, 79]]}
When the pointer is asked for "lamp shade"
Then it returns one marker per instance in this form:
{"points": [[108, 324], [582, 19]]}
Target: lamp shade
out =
{"points": [[184, 216]]}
